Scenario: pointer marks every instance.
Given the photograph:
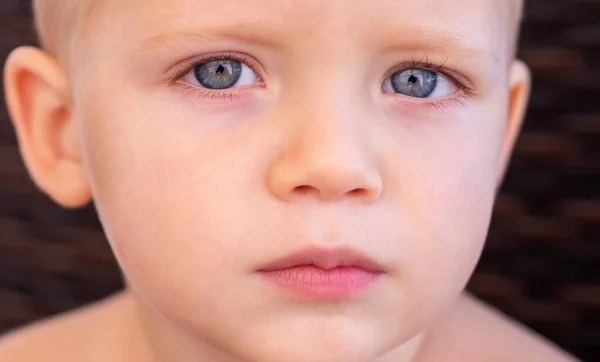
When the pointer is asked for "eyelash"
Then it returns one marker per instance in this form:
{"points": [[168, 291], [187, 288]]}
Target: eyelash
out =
{"points": [[452, 74], [232, 95], [425, 63], [201, 93]]}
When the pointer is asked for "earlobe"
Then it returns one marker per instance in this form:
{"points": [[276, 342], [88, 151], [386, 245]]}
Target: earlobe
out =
{"points": [[39, 105], [520, 88]]}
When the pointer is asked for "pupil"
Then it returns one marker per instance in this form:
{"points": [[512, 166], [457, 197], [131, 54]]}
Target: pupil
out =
{"points": [[413, 80], [220, 69]]}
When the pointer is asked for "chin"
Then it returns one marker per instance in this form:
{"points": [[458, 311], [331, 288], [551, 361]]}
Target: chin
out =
{"points": [[316, 344], [301, 351]]}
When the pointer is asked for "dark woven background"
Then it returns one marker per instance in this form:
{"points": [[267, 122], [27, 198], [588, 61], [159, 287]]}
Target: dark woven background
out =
{"points": [[542, 261]]}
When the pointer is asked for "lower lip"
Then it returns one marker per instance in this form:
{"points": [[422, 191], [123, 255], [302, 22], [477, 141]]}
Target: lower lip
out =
{"points": [[313, 282]]}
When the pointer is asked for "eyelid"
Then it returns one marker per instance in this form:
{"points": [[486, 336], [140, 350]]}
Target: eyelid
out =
{"points": [[453, 75], [187, 66]]}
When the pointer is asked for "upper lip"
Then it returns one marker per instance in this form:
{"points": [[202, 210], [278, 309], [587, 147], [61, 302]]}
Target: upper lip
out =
{"points": [[325, 258]]}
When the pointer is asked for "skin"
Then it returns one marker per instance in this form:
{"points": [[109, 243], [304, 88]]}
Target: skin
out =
{"points": [[316, 154]]}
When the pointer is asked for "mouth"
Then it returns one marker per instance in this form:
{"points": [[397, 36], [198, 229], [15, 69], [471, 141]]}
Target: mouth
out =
{"points": [[320, 273]]}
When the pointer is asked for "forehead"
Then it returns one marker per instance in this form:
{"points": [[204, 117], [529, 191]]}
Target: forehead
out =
{"points": [[482, 23], [309, 12]]}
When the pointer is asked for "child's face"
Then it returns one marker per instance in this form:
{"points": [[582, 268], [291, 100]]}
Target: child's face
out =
{"points": [[325, 140]]}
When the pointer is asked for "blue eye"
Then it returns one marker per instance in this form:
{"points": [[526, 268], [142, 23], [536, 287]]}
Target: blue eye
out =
{"points": [[221, 74], [419, 83]]}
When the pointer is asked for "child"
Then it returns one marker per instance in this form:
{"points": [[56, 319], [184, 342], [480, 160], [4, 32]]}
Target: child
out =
{"points": [[280, 180]]}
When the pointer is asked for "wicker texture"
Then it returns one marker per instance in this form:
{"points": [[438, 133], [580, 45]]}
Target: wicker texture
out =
{"points": [[542, 261]]}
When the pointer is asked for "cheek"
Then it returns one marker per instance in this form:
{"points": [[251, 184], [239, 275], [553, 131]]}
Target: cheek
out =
{"points": [[160, 189], [446, 176]]}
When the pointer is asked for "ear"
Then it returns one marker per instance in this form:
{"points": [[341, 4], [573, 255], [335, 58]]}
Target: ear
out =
{"points": [[39, 105], [520, 87]]}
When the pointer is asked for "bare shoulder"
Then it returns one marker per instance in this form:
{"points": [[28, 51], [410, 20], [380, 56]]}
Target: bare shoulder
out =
{"points": [[73, 336], [474, 331]]}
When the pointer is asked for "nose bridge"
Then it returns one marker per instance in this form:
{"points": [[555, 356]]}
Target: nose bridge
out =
{"points": [[327, 97], [325, 109], [328, 133]]}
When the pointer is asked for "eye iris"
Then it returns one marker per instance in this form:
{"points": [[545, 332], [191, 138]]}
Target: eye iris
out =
{"points": [[219, 74], [418, 83]]}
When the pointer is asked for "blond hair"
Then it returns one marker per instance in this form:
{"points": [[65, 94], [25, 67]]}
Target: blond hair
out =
{"points": [[60, 23]]}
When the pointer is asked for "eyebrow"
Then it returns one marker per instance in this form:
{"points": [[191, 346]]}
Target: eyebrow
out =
{"points": [[239, 33], [444, 41], [437, 40]]}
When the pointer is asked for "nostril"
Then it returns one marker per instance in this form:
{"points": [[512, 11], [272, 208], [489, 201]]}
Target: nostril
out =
{"points": [[304, 190], [359, 192], [307, 190]]}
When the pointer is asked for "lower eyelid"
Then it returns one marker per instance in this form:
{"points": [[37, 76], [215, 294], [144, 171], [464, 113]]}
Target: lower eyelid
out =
{"points": [[197, 93], [401, 98], [448, 102], [233, 94], [437, 103]]}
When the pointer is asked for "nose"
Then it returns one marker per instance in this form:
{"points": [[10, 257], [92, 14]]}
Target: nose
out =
{"points": [[325, 159]]}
